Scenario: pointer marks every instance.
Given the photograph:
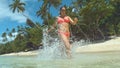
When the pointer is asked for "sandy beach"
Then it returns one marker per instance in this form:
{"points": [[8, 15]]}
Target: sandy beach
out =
{"points": [[30, 53], [110, 45]]}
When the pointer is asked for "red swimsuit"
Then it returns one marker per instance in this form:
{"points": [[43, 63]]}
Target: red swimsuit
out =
{"points": [[63, 20]]}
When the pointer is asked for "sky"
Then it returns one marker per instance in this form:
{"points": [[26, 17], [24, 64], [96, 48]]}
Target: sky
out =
{"points": [[12, 20]]}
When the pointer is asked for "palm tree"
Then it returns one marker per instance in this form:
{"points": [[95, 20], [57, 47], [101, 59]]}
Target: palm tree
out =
{"points": [[44, 11], [4, 36], [7, 29], [10, 35], [13, 30], [17, 6]]}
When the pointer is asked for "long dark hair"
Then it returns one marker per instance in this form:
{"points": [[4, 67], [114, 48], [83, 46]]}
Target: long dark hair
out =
{"points": [[61, 8]]}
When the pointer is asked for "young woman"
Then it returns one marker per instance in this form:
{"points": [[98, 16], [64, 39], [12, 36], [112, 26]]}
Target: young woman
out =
{"points": [[63, 21]]}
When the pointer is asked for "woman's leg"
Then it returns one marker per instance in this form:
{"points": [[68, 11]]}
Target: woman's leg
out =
{"points": [[66, 42]]}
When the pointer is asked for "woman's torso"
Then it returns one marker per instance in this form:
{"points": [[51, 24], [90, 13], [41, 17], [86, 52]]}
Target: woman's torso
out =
{"points": [[63, 23]]}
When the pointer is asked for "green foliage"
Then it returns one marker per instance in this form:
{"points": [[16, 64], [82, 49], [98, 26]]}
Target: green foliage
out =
{"points": [[34, 35], [25, 35], [17, 5], [97, 19], [95, 14], [44, 10]]}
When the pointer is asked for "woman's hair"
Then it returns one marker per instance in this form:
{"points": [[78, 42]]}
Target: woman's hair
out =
{"points": [[62, 7]]}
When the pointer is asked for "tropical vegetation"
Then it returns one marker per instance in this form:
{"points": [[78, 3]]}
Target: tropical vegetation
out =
{"points": [[98, 19]]}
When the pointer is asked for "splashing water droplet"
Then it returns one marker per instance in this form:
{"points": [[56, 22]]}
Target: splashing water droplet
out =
{"points": [[53, 48]]}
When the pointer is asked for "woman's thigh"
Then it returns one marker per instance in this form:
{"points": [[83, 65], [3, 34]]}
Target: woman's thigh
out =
{"points": [[64, 39]]}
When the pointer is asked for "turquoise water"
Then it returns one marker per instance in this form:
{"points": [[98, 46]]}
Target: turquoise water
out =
{"points": [[82, 60], [50, 57]]}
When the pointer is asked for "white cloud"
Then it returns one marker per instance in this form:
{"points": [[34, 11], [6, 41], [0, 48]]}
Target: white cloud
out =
{"points": [[12, 38], [5, 12], [0, 38]]}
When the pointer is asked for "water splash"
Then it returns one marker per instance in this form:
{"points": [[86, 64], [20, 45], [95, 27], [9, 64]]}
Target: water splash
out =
{"points": [[53, 47]]}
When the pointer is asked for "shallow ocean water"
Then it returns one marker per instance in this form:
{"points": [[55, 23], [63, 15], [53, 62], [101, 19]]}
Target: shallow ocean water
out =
{"points": [[81, 60], [50, 57]]}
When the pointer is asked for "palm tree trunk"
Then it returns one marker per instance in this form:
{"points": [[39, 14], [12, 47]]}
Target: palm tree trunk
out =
{"points": [[30, 19], [83, 32], [99, 28]]}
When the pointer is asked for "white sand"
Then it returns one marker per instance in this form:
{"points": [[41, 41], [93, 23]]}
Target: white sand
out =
{"points": [[110, 45], [30, 53]]}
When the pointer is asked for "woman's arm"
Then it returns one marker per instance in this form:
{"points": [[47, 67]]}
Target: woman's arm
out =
{"points": [[53, 26], [73, 21]]}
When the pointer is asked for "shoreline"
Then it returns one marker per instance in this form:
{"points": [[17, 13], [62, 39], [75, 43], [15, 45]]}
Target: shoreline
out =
{"points": [[29, 53], [112, 45]]}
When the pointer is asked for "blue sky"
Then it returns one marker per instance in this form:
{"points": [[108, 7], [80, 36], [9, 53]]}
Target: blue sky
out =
{"points": [[12, 20]]}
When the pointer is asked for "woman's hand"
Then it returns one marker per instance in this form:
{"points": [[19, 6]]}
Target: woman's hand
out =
{"points": [[75, 20]]}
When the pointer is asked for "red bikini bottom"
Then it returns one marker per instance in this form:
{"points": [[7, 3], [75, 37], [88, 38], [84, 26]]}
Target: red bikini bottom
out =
{"points": [[67, 34]]}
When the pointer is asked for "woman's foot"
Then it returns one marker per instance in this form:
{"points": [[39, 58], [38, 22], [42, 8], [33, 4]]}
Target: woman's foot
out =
{"points": [[68, 52]]}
